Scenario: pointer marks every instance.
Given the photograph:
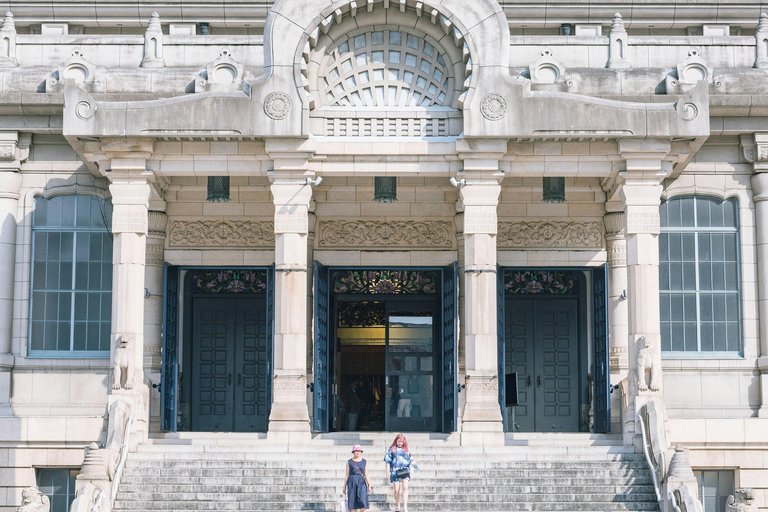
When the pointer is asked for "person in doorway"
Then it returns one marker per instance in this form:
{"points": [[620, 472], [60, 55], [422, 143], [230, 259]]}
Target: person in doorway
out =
{"points": [[353, 406], [399, 457], [357, 486]]}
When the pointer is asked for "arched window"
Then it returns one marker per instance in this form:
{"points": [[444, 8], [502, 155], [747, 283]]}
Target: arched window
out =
{"points": [[699, 279], [71, 302]]}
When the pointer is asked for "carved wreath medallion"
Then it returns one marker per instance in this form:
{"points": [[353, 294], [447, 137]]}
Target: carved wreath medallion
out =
{"points": [[575, 235], [363, 233], [222, 233], [493, 107], [277, 105]]}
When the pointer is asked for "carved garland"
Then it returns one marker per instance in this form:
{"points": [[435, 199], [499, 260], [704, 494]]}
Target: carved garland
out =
{"points": [[390, 282], [577, 235], [229, 281], [222, 233], [363, 233]]}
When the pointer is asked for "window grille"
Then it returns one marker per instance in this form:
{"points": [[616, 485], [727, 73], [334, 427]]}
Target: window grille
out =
{"points": [[699, 279], [59, 485], [71, 300]]}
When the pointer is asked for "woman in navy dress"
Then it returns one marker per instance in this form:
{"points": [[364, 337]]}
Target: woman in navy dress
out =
{"points": [[398, 456], [357, 486]]}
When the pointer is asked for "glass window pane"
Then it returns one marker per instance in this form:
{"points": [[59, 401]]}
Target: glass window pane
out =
{"points": [[676, 312], [673, 212], [691, 338], [720, 337], [664, 247], [705, 307], [664, 276], [689, 247], [687, 215], [40, 217], [68, 206], [663, 214], [689, 276], [718, 276], [665, 337], [664, 307], [707, 336], [675, 247], [730, 212], [702, 214], [675, 276], [678, 337], [705, 276], [718, 307]]}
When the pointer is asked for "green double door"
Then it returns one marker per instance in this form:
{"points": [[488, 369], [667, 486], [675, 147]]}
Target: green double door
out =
{"points": [[542, 348], [230, 365]]}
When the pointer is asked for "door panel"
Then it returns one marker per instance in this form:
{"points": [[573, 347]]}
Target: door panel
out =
{"points": [[542, 347], [321, 390], [213, 356], [251, 381], [170, 371]]}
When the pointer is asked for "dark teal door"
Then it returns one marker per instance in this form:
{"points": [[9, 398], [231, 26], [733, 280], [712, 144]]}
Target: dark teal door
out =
{"points": [[230, 365], [542, 348]]}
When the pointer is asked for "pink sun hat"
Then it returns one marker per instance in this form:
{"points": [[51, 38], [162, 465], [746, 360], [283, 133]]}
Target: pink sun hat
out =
{"points": [[357, 448]]}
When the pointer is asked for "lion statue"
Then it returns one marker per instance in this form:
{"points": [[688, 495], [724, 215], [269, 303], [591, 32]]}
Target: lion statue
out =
{"points": [[123, 365], [743, 502], [646, 362], [33, 500]]}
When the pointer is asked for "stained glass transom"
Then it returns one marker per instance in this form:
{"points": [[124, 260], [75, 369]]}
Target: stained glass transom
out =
{"points": [[540, 282], [387, 68], [385, 282], [229, 281]]}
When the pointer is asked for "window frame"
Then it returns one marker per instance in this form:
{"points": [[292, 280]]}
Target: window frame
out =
{"points": [[62, 354], [699, 475], [696, 230]]}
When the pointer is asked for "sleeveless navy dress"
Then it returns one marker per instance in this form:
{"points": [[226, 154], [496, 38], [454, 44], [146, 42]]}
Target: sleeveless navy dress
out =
{"points": [[357, 490]]}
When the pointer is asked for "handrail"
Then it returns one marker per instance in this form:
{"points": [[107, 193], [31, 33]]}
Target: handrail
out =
{"points": [[121, 461], [651, 464], [97, 502]]}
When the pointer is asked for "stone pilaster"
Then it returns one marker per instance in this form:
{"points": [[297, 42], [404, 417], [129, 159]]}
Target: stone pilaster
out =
{"points": [[13, 151], [130, 189], [618, 313], [760, 197], [641, 196], [291, 195], [479, 198]]}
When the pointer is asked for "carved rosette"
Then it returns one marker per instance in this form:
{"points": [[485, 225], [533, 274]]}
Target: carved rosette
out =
{"points": [[493, 107], [222, 233], [550, 234], [277, 105], [364, 233]]}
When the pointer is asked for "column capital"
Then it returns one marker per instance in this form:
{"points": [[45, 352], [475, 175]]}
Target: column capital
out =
{"points": [[759, 182], [14, 150], [124, 151], [644, 158], [614, 225]]}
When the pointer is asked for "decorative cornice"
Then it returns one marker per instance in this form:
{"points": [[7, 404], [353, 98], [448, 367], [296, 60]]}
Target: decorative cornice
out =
{"points": [[370, 233], [536, 234], [222, 233]]}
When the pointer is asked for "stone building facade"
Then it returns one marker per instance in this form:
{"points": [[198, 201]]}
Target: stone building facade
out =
{"points": [[127, 277]]}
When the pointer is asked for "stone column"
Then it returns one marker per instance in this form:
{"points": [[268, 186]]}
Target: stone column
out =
{"points": [[291, 195], [618, 314], [640, 193], [760, 197], [479, 195], [12, 152], [153, 304], [131, 191]]}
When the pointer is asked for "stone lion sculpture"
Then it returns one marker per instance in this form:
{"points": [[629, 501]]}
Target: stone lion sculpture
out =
{"points": [[33, 500], [647, 362], [123, 365], [743, 502]]}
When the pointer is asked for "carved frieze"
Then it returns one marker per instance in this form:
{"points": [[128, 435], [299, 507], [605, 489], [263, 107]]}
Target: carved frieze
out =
{"points": [[129, 222], [551, 234], [617, 253], [222, 233], [370, 233], [644, 222]]}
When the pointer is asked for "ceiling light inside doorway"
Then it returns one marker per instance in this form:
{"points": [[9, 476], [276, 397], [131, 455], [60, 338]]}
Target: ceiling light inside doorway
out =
{"points": [[385, 189], [553, 190], [218, 189]]}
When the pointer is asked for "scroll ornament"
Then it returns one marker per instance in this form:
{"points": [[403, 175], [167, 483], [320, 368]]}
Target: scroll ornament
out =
{"points": [[363, 233], [223, 233], [578, 235]]}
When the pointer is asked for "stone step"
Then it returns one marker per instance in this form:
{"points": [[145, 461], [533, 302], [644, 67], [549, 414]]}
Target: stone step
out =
{"points": [[343, 450], [421, 496], [490, 488]]}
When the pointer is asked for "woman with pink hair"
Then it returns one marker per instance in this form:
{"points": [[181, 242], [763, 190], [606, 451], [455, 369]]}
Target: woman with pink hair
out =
{"points": [[398, 458]]}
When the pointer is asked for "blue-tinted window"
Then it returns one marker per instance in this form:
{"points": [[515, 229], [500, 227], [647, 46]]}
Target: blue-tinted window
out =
{"points": [[71, 302], [699, 277], [59, 485], [714, 488]]}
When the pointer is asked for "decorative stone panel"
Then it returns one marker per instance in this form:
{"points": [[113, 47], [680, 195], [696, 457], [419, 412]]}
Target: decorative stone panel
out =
{"points": [[550, 234], [371, 233], [222, 233]]}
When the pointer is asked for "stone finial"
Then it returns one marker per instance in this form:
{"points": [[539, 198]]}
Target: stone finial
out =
{"points": [[33, 500], [617, 44], [761, 35], [8, 42], [153, 44], [680, 466], [93, 467]]}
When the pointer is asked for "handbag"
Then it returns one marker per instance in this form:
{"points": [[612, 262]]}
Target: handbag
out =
{"points": [[403, 472], [344, 506]]}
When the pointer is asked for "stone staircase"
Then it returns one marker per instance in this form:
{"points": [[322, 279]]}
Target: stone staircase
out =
{"points": [[533, 472]]}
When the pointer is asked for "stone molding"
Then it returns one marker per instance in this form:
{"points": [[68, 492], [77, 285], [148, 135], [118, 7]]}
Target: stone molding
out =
{"points": [[371, 233], [483, 386], [550, 234], [128, 221], [222, 233], [155, 252], [617, 253], [644, 222]]}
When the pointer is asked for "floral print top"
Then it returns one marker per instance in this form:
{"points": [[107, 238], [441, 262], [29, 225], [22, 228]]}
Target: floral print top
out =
{"points": [[397, 459]]}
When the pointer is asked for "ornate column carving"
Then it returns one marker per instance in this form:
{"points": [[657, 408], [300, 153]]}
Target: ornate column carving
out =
{"points": [[291, 195], [14, 149], [641, 196], [479, 194], [616, 245], [760, 197], [131, 191], [153, 282]]}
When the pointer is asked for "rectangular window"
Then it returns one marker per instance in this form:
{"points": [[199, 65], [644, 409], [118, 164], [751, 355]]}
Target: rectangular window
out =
{"points": [[699, 279], [714, 488], [59, 485], [71, 300]]}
